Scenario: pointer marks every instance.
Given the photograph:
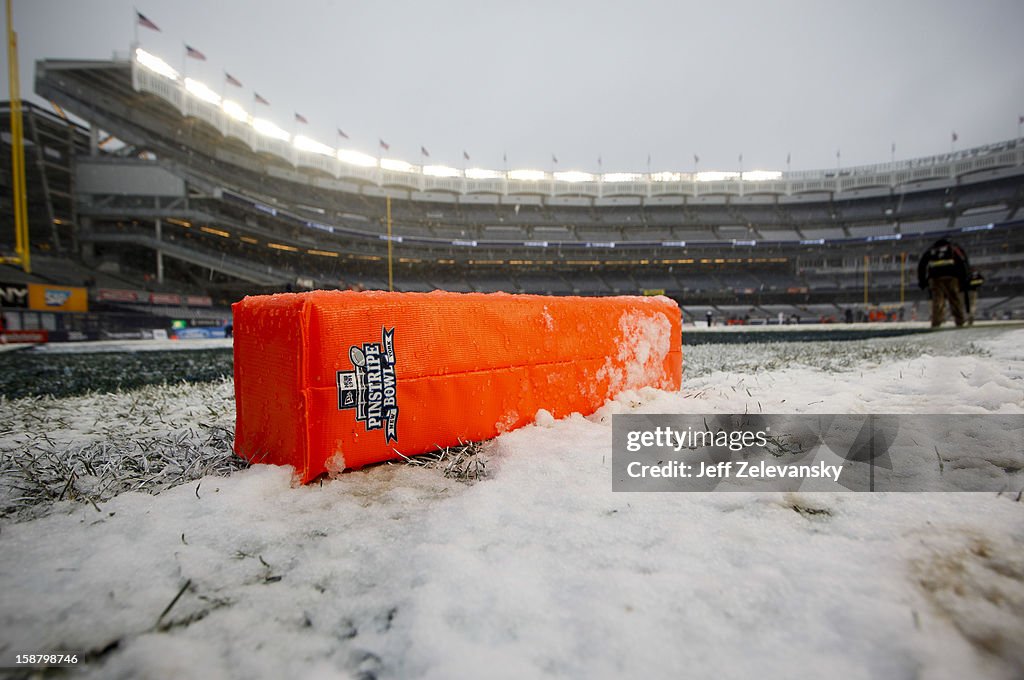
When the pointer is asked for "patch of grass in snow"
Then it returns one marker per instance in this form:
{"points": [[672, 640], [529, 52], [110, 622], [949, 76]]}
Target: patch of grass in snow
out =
{"points": [[90, 449], [805, 507], [24, 374], [831, 357], [463, 463]]}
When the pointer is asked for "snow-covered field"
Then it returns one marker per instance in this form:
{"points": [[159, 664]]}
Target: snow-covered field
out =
{"points": [[534, 570]]}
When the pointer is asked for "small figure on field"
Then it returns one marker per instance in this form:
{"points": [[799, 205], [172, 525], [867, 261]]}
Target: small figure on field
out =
{"points": [[943, 271]]}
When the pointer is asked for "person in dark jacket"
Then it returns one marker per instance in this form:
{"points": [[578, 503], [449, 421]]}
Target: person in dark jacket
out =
{"points": [[943, 271]]}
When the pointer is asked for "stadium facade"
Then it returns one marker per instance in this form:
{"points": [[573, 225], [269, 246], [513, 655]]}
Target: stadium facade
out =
{"points": [[201, 197]]}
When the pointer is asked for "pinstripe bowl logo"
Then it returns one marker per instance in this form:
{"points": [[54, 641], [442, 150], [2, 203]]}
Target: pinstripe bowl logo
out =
{"points": [[370, 388]]}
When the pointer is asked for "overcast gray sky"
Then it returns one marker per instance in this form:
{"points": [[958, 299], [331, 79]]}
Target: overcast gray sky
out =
{"points": [[581, 80]]}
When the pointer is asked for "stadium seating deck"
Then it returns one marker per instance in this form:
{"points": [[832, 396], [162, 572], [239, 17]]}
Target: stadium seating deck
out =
{"points": [[256, 217]]}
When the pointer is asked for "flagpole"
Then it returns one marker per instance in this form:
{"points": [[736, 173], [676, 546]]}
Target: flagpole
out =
{"points": [[391, 280], [18, 194]]}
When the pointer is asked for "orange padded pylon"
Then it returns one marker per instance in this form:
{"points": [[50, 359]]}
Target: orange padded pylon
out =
{"points": [[339, 379]]}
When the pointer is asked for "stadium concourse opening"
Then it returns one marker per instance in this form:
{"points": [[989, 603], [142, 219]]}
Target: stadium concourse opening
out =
{"points": [[166, 207]]}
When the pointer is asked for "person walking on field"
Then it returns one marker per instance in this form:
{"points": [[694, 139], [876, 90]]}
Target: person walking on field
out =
{"points": [[943, 270]]}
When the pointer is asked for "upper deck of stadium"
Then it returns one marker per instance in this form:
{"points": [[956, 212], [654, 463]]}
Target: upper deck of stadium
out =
{"points": [[152, 90], [204, 182]]}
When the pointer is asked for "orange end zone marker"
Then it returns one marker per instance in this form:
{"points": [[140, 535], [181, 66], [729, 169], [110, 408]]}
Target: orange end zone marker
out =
{"points": [[340, 379]]}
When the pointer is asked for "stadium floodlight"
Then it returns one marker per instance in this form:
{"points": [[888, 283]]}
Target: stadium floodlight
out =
{"points": [[201, 91], [235, 110], [715, 176], [155, 64], [396, 165], [481, 173], [574, 176], [761, 175], [621, 177], [356, 158], [666, 177], [265, 127], [528, 175], [440, 171], [306, 144]]}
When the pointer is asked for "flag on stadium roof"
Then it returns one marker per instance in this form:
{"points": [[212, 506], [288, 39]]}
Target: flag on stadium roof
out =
{"points": [[299, 118], [259, 99], [1020, 120], [696, 159], [554, 158], [143, 21], [465, 154], [423, 150], [955, 137], [384, 145], [232, 80], [341, 133], [194, 53]]}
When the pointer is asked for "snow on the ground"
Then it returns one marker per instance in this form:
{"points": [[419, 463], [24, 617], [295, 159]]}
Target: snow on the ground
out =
{"points": [[539, 570]]}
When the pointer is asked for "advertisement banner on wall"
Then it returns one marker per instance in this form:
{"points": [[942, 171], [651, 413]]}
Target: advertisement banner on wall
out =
{"points": [[165, 299], [13, 295], [48, 298], [33, 336], [118, 295], [199, 333]]}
